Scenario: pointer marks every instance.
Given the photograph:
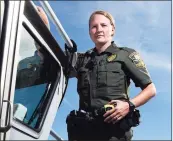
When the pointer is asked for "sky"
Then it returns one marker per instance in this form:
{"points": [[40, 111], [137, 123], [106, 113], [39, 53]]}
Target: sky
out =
{"points": [[142, 25]]}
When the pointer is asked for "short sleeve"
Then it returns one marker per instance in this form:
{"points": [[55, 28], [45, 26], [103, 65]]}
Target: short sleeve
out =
{"points": [[136, 69]]}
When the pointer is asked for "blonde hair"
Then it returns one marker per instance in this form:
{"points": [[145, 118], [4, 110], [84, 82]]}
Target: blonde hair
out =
{"points": [[104, 13]]}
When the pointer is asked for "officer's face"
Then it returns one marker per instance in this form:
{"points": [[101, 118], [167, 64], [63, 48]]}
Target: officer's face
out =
{"points": [[101, 30]]}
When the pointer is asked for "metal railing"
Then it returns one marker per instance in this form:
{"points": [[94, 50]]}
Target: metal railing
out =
{"points": [[55, 135], [57, 23], [59, 27]]}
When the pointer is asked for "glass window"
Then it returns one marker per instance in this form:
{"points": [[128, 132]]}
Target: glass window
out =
{"points": [[36, 75]]}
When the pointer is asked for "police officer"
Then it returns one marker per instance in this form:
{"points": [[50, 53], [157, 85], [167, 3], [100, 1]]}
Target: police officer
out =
{"points": [[104, 75]]}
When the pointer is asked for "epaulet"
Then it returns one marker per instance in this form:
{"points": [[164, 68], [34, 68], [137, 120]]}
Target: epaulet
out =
{"points": [[129, 50], [90, 51], [81, 54]]}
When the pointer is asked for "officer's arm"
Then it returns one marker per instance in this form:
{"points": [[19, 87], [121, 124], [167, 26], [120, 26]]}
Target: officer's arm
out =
{"points": [[137, 71], [146, 94], [74, 70]]}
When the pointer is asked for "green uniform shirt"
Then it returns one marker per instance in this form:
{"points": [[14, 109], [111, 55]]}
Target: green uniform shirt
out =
{"points": [[106, 76]]}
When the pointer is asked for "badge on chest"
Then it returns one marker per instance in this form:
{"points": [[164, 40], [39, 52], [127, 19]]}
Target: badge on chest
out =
{"points": [[111, 58]]}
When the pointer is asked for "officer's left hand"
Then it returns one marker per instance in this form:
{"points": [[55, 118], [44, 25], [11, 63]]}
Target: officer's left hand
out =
{"points": [[121, 110]]}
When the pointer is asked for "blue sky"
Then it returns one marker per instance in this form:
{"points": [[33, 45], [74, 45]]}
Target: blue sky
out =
{"points": [[144, 26]]}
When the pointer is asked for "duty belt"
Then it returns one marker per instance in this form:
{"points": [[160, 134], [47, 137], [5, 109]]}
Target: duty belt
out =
{"points": [[93, 113], [81, 116]]}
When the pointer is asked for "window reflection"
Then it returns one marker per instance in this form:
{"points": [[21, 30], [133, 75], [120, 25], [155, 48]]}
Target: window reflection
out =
{"points": [[36, 74]]}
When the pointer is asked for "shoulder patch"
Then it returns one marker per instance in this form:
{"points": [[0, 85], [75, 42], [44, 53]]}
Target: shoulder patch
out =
{"points": [[90, 51], [135, 57]]}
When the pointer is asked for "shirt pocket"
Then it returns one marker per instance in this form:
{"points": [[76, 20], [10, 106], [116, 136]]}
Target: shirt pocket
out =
{"points": [[101, 78], [114, 76]]}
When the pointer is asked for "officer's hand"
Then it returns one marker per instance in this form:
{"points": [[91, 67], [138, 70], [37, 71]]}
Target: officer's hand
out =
{"points": [[121, 110], [73, 49]]}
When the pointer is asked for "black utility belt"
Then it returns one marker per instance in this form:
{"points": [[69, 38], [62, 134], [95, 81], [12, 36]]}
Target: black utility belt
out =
{"points": [[92, 114], [82, 114], [83, 117]]}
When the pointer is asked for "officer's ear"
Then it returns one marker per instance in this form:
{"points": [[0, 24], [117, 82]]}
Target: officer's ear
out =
{"points": [[113, 31]]}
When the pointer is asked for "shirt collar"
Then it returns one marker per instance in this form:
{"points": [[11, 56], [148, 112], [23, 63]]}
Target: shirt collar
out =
{"points": [[111, 49]]}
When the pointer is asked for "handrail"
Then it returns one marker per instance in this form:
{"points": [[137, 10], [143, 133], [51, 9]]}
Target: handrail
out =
{"points": [[57, 23], [54, 134], [59, 27]]}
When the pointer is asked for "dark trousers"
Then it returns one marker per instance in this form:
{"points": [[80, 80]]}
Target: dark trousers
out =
{"points": [[97, 130]]}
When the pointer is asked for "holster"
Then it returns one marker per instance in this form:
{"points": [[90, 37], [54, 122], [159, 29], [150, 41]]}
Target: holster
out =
{"points": [[132, 119], [77, 123]]}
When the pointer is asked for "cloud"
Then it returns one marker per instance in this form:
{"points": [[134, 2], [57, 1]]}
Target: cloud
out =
{"points": [[156, 60], [121, 10], [27, 46]]}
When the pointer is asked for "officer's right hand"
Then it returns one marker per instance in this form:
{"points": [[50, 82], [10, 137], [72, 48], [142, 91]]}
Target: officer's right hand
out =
{"points": [[118, 112], [71, 49]]}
